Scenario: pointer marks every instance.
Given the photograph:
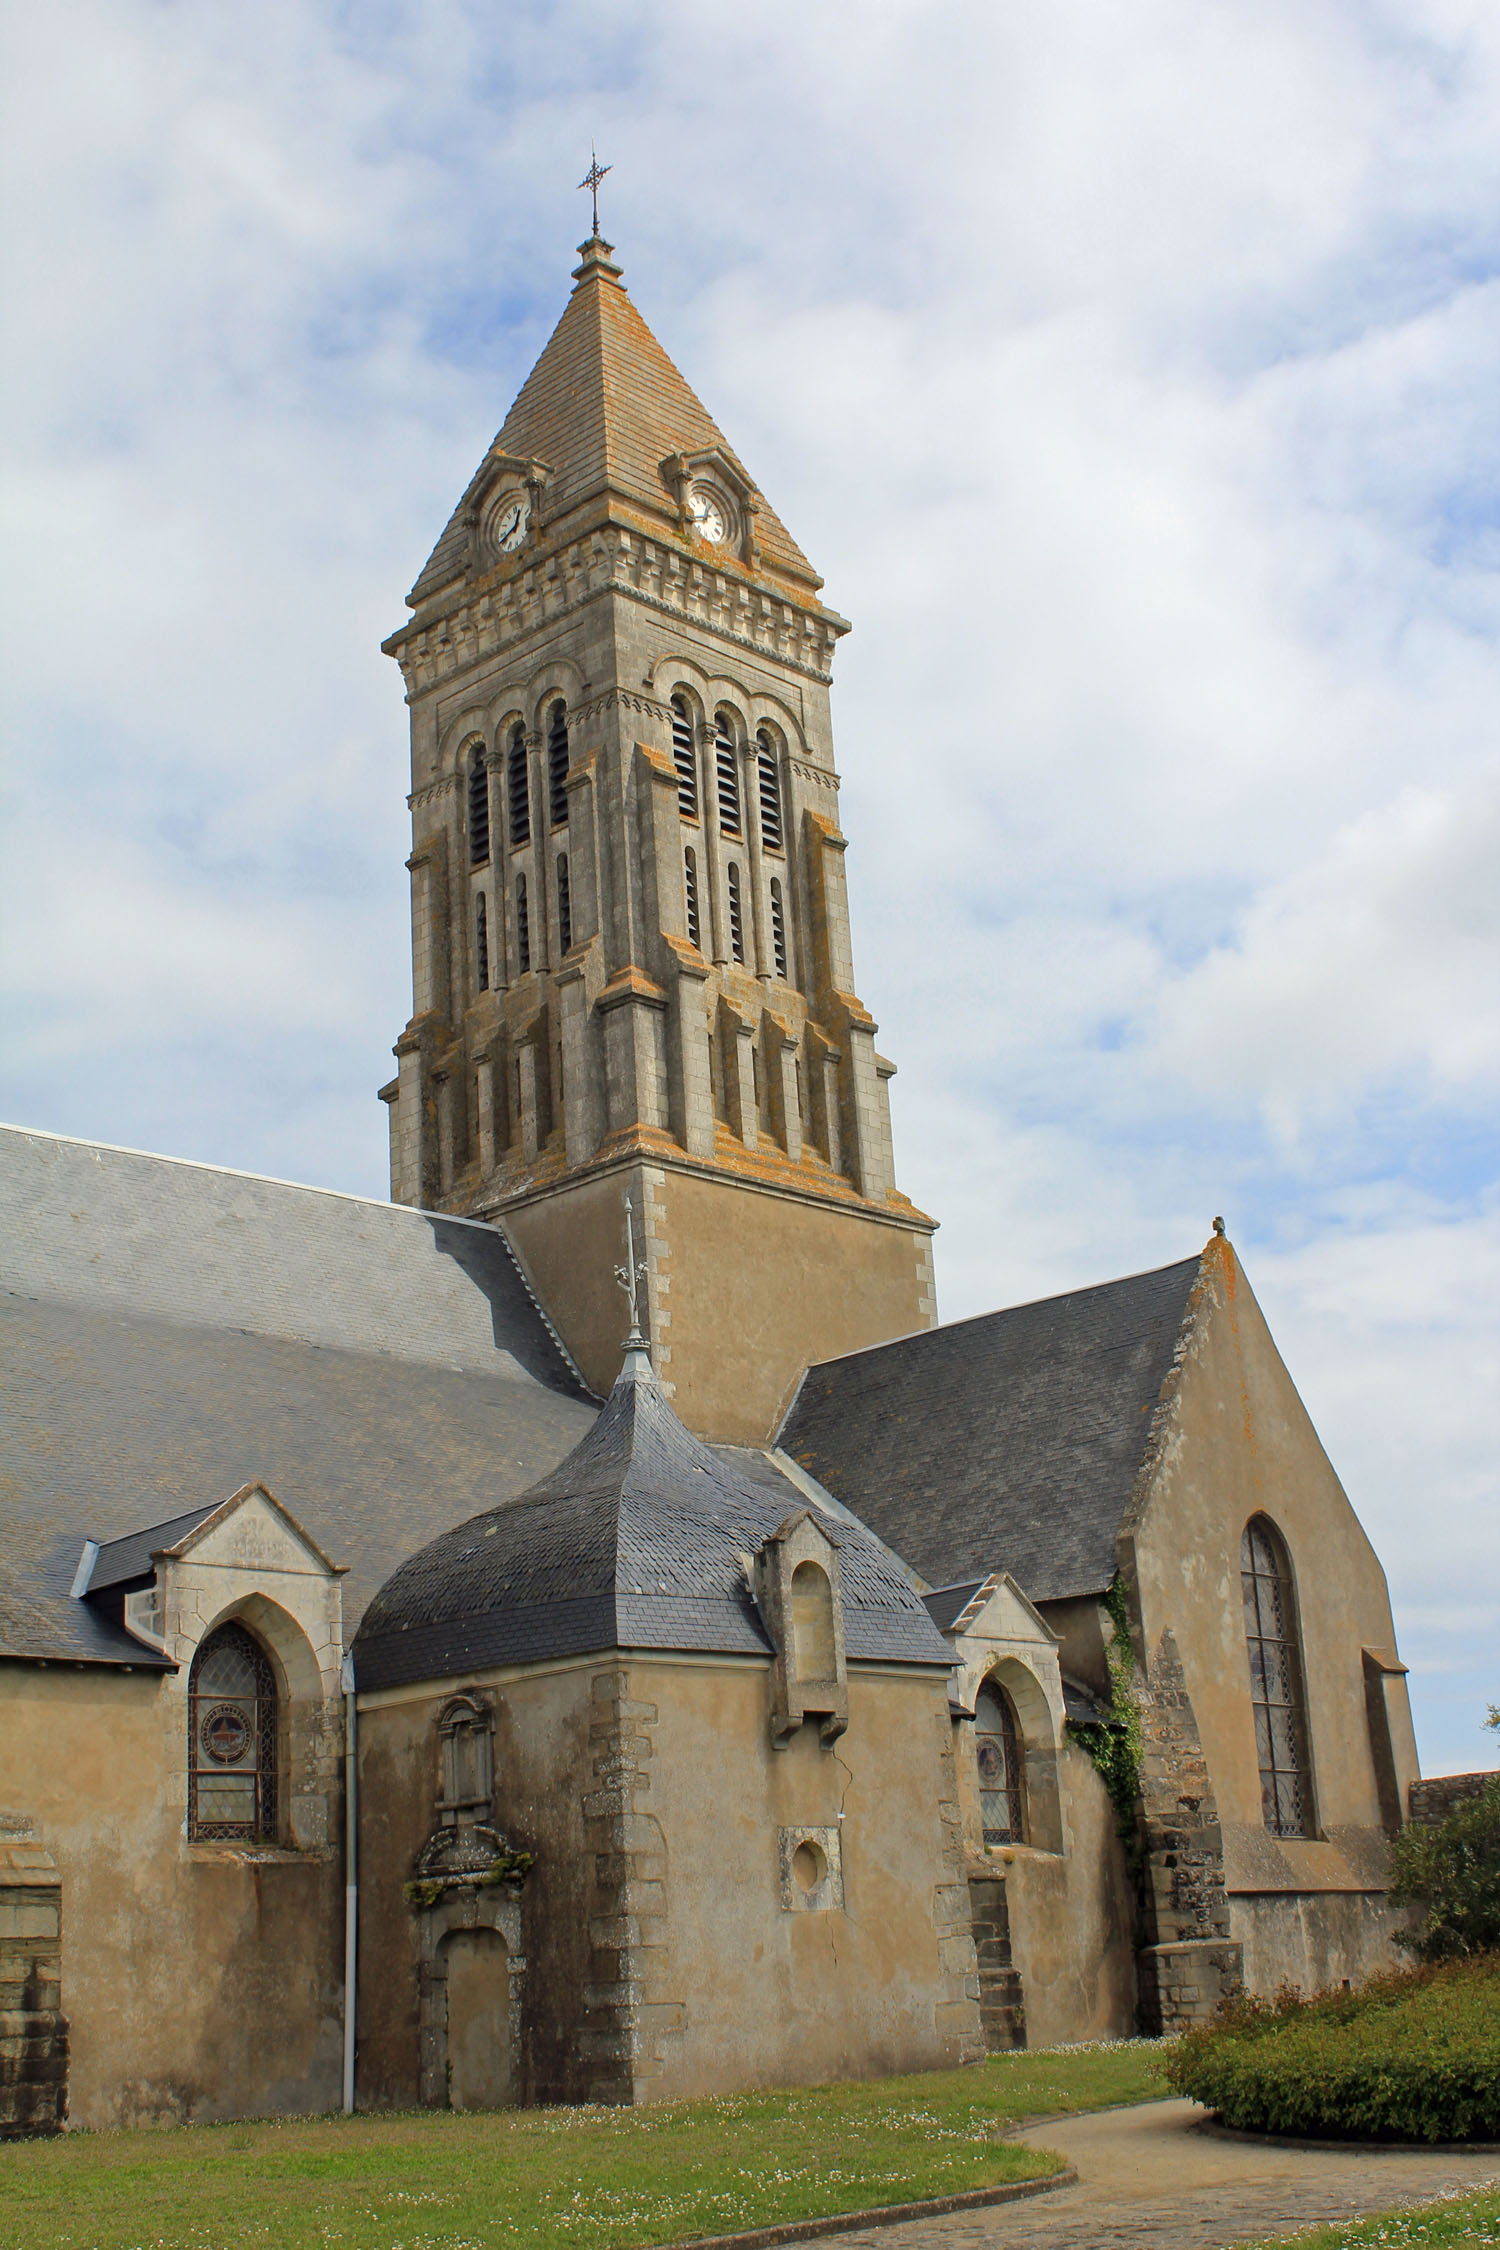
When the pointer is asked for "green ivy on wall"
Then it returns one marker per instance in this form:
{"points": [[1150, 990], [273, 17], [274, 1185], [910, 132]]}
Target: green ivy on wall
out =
{"points": [[1116, 1744]]}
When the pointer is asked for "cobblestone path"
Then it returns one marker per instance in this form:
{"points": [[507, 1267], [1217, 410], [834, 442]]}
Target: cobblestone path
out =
{"points": [[1151, 2179]]}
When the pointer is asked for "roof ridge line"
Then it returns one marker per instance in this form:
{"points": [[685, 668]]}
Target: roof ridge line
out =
{"points": [[1027, 1304]]}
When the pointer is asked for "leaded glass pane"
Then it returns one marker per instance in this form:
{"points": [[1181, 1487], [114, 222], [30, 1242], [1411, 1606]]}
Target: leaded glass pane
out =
{"points": [[1275, 1682], [998, 1755], [232, 1721]]}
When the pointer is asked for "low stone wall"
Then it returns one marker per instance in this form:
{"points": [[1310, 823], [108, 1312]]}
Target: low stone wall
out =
{"points": [[1434, 1800]]}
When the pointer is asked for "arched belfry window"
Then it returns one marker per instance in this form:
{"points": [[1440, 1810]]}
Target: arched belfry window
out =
{"points": [[232, 1739], [482, 943], [1276, 1680], [769, 780], [564, 904], [518, 788], [736, 915], [523, 926], [479, 808], [727, 774], [684, 758], [690, 895], [778, 928], [1001, 1762], [557, 764]]}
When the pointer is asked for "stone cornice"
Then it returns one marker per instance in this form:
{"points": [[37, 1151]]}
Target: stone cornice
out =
{"points": [[718, 601], [431, 791]]}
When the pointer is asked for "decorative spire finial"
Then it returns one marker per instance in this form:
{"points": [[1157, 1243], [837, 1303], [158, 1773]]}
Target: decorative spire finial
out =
{"points": [[1218, 1226], [590, 180], [630, 1277]]}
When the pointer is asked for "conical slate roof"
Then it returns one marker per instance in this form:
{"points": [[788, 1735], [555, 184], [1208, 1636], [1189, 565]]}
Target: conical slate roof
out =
{"points": [[603, 408], [638, 1540]]}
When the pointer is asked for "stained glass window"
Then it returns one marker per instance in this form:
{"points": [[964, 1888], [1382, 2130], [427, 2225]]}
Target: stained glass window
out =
{"points": [[232, 1738], [1002, 1767], [1276, 1681]]}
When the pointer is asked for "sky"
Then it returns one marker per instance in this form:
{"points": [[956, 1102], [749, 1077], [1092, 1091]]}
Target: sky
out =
{"points": [[1129, 374]]}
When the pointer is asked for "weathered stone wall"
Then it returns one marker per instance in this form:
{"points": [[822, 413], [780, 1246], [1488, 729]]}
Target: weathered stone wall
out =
{"points": [[201, 1981], [706, 1912], [1436, 1799], [33, 2029], [1190, 1962], [1233, 1440]]}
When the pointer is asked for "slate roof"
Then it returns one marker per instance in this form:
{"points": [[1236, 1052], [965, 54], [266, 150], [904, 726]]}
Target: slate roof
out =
{"points": [[603, 408], [1008, 1442], [121, 1562], [170, 1333], [637, 1540]]}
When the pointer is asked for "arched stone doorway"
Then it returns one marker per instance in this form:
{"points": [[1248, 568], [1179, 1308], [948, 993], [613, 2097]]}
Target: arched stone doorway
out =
{"points": [[473, 1976], [481, 2049]]}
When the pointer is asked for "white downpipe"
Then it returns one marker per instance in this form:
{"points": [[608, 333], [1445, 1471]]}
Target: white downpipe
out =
{"points": [[351, 1878]]}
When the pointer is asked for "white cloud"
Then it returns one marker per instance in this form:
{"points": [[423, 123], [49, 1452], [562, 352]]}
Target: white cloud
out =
{"points": [[1130, 375]]}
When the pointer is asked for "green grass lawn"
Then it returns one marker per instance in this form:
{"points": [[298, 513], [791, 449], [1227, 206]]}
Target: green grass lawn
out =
{"points": [[589, 2179], [1466, 2220]]}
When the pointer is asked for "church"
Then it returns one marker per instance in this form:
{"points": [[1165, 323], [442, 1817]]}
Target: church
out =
{"points": [[585, 1630]]}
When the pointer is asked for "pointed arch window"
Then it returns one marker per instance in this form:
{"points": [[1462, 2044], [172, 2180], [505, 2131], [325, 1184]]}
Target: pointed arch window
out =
{"points": [[518, 788], [523, 926], [768, 778], [684, 758], [1001, 1762], [233, 1726], [564, 905], [557, 764], [1276, 1680], [690, 895], [736, 916], [727, 774], [479, 808], [778, 928], [482, 943]]}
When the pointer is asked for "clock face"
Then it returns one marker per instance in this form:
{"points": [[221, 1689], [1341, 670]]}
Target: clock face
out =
{"points": [[708, 515], [512, 522]]}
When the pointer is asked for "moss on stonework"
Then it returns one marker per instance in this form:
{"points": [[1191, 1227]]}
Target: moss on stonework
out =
{"points": [[1116, 1744], [511, 1867]]}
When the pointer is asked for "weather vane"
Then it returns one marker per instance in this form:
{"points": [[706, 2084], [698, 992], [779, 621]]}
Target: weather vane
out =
{"points": [[591, 179], [631, 1275]]}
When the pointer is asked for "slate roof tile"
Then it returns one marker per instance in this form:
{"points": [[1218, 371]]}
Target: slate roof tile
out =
{"points": [[1007, 1442]]}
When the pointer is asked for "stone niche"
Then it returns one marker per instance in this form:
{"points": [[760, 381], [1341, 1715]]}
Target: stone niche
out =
{"points": [[33, 2029], [799, 1592], [466, 1893]]}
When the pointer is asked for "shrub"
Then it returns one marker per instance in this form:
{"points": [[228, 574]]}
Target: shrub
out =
{"points": [[1452, 1869], [1410, 2057]]}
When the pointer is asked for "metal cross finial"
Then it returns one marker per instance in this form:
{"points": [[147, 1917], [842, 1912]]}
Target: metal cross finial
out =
{"points": [[631, 1275], [591, 179]]}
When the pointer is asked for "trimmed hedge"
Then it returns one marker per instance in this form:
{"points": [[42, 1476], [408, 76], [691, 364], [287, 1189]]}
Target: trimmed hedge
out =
{"points": [[1409, 2057]]}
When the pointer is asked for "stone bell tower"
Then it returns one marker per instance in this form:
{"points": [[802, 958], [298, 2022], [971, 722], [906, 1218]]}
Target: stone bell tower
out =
{"points": [[630, 934]]}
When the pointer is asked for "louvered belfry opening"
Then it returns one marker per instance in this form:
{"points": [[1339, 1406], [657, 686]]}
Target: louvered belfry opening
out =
{"points": [[769, 779], [517, 788], [557, 764], [690, 895], [564, 905], [523, 926], [736, 916], [727, 773], [778, 928], [482, 943], [1276, 1680], [479, 808], [684, 758]]}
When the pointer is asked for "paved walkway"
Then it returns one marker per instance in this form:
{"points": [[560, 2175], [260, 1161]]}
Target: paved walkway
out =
{"points": [[1151, 2179]]}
